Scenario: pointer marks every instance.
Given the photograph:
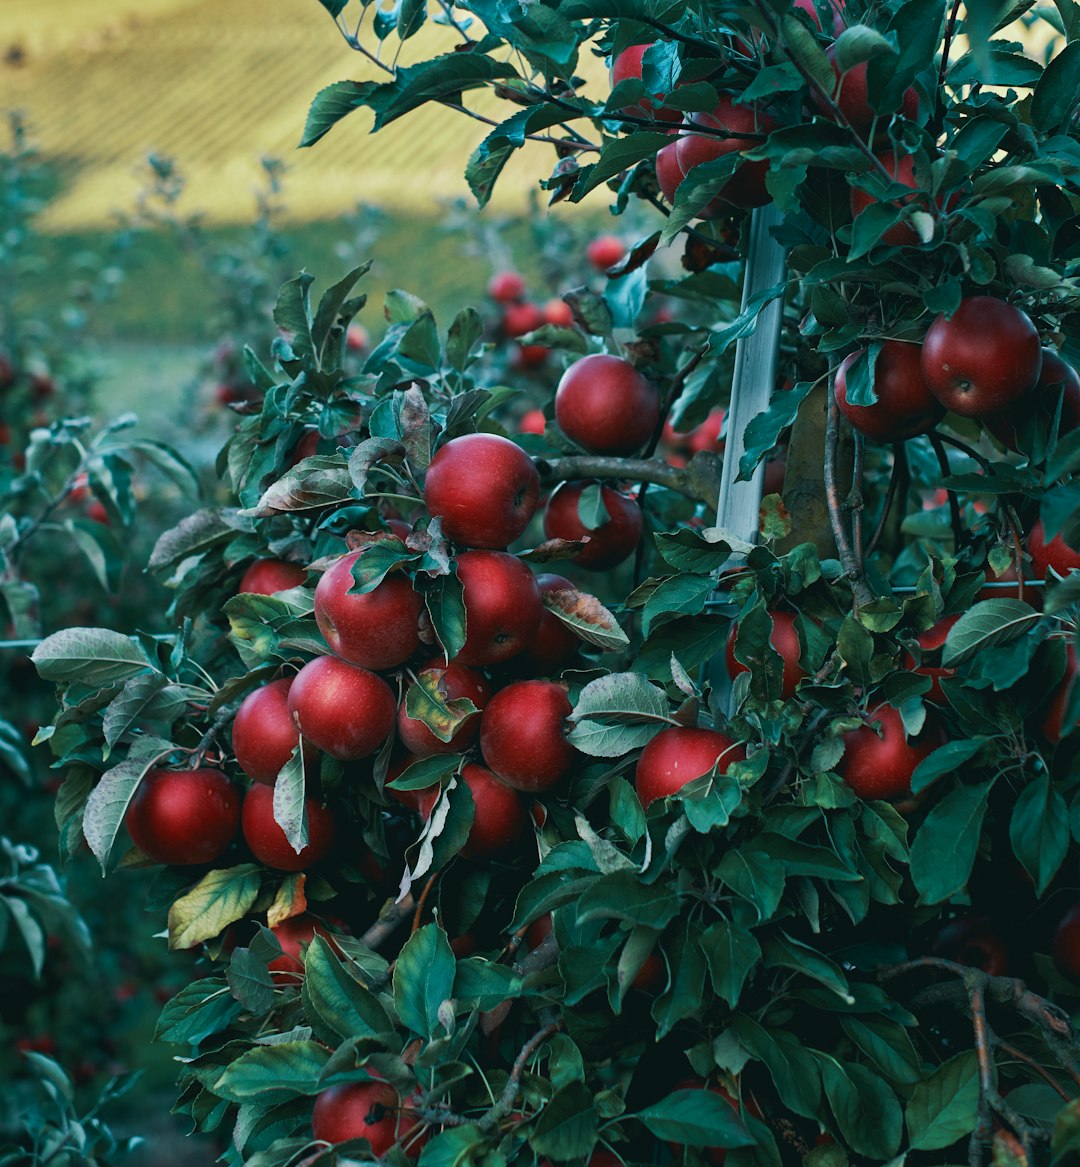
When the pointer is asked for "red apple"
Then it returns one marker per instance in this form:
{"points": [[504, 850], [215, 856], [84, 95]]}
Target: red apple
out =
{"points": [[521, 318], [853, 100], [291, 934], [264, 734], [499, 817], [982, 358], [746, 188], [356, 338], [483, 488], [931, 641], [265, 577], [365, 1110], [678, 755], [506, 287], [1057, 380], [554, 643], [183, 817], [502, 606], [611, 542], [974, 941], [628, 64], [377, 629], [531, 356], [1066, 944], [1053, 722], [1056, 554], [880, 767], [305, 447], [668, 171], [905, 407], [708, 437], [605, 251], [454, 681], [342, 709], [902, 169], [785, 640], [605, 405], [837, 7], [523, 735], [532, 422], [266, 840], [559, 313]]}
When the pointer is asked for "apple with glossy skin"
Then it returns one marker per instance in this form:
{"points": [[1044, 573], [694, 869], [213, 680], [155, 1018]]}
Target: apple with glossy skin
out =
{"points": [[483, 488], [342, 709], [880, 767], [1053, 726], [377, 629], [611, 542], [852, 97], [668, 171], [183, 817], [499, 817], [1056, 554], [1057, 379], [1066, 944], [982, 358], [605, 251], [266, 577], [506, 287], [502, 606], [264, 734], [291, 934], [905, 407], [785, 639], [266, 840], [605, 405], [974, 941], [365, 1110], [677, 756], [746, 187], [523, 735], [454, 681], [628, 65], [554, 643]]}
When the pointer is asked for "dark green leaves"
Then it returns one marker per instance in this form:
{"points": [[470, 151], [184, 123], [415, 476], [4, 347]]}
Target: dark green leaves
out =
{"points": [[696, 1118], [424, 980], [944, 848], [617, 713], [92, 656], [945, 1107], [986, 624]]}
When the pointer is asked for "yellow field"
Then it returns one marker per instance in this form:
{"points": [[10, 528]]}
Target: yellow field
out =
{"points": [[217, 84]]}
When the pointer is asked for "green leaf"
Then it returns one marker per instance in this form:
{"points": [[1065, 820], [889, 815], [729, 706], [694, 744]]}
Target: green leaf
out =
{"points": [[108, 803], [1057, 91], [763, 431], [331, 104], [331, 303], [801, 43], [587, 617], [192, 536], [566, 1128], [464, 338], [274, 1072], [945, 1107], [292, 314], [795, 1072], [424, 979], [865, 1107], [92, 656], [683, 595], [783, 951], [617, 155], [219, 899], [482, 984], [1039, 831], [986, 624], [617, 713], [946, 759], [699, 551], [732, 954], [198, 1010], [622, 896], [888, 1045], [945, 845], [696, 1118], [345, 1007], [455, 1148], [446, 607]]}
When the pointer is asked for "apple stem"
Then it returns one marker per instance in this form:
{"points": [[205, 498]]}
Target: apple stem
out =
{"points": [[899, 466], [955, 520], [950, 31], [421, 903]]}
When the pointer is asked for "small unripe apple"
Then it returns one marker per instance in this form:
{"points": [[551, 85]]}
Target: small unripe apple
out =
{"points": [[746, 187], [523, 735], [1056, 554], [364, 1110], [377, 629], [982, 358], [905, 407], [611, 542], [183, 817], [785, 639], [505, 287], [264, 734], [266, 840], [483, 488], [499, 817], [265, 577], [605, 405], [677, 756], [342, 709], [454, 681], [502, 606], [605, 251], [880, 767]]}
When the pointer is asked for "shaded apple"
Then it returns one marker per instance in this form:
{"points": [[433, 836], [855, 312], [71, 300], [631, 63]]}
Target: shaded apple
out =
{"points": [[266, 840], [611, 542], [678, 755], [183, 817]]}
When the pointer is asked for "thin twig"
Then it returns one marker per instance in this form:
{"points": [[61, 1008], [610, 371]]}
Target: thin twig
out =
{"points": [[954, 506], [391, 917], [853, 568], [890, 495]]}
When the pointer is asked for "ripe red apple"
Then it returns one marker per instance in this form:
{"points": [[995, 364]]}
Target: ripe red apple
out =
{"points": [[1053, 722], [1057, 378], [785, 640], [377, 629], [183, 817], [291, 934], [306, 446], [852, 97], [342, 709], [499, 817], [365, 1110], [881, 767], [506, 287], [708, 437], [484, 488], [502, 606], [1066, 944], [532, 422], [668, 171], [679, 755], [1056, 554], [746, 188], [531, 356], [905, 407], [605, 251], [523, 735], [264, 734], [627, 65], [265, 577], [837, 7], [266, 840], [605, 405], [611, 542], [931, 642], [973, 940], [554, 643], [902, 169], [559, 313], [983, 358], [521, 318], [454, 681], [356, 338]]}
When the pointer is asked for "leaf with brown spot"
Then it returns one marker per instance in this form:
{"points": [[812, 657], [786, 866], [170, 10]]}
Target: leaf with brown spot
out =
{"points": [[552, 550], [587, 617], [291, 900]]}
